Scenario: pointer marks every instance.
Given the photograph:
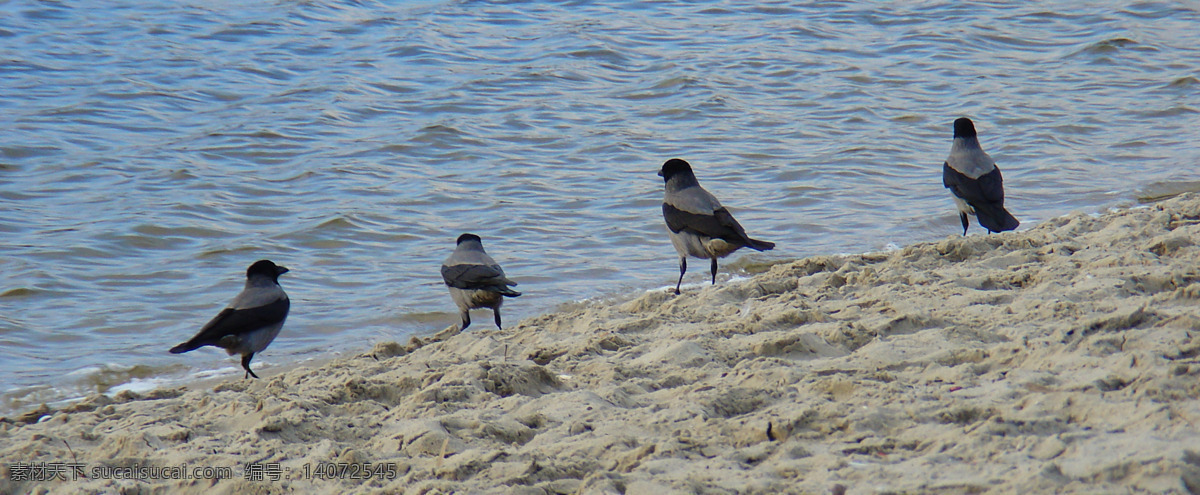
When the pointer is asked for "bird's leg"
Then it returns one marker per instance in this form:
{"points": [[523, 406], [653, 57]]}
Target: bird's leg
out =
{"points": [[466, 320], [682, 270], [963, 216], [496, 312], [246, 366], [714, 271]]}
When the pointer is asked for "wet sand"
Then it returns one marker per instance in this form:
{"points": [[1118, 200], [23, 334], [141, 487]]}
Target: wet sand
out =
{"points": [[1060, 359]]}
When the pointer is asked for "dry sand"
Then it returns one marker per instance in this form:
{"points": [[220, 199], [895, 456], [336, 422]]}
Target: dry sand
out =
{"points": [[1063, 359]]}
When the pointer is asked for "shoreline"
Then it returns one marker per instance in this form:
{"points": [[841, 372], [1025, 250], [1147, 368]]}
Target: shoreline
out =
{"points": [[1063, 358]]}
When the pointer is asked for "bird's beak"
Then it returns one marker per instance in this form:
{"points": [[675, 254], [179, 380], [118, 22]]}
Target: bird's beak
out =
{"points": [[280, 270], [660, 173]]}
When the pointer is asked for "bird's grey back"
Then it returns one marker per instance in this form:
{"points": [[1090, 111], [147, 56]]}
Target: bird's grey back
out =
{"points": [[470, 253], [259, 291], [692, 199], [969, 159]]}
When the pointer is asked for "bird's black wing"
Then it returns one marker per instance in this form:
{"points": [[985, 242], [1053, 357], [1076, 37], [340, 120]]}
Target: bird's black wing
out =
{"points": [[474, 277], [988, 189], [719, 225], [992, 186], [985, 195], [239, 321]]}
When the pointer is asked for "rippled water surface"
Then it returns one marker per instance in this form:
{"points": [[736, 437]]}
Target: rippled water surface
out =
{"points": [[151, 151]]}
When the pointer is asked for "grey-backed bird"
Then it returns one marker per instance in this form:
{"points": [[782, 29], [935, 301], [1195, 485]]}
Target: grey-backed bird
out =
{"points": [[975, 180], [697, 223], [475, 279], [251, 321]]}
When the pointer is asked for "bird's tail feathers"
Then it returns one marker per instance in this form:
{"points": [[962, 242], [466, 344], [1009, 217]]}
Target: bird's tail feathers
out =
{"points": [[505, 291], [995, 218], [760, 245], [190, 345]]}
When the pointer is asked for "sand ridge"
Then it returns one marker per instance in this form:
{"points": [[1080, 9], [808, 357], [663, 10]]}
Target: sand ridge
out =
{"points": [[1063, 358]]}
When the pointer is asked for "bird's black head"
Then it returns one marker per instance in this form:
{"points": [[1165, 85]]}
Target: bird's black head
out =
{"points": [[675, 167], [964, 128], [266, 269], [468, 237]]}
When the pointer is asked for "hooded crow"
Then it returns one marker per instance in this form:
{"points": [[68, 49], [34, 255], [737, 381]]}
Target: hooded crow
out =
{"points": [[698, 225], [475, 280], [251, 321], [974, 179]]}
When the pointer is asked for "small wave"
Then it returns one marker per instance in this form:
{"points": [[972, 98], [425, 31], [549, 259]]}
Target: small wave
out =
{"points": [[1105, 47], [27, 151], [217, 373], [140, 385], [1170, 112], [1159, 191], [1184, 82], [106, 379], [211, 253], [599, 54], [21, 292]]}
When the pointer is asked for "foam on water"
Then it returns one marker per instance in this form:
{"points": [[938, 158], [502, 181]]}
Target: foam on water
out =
{"points": [[138, 385]]}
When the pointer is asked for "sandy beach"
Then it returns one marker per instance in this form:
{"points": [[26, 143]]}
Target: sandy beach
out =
{"points": [[1061, 359]]}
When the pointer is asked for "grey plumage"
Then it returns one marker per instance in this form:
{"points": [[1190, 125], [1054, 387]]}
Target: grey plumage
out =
{"points": [[975, 181], [475, 279], [251, 321], [697, 223]]}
